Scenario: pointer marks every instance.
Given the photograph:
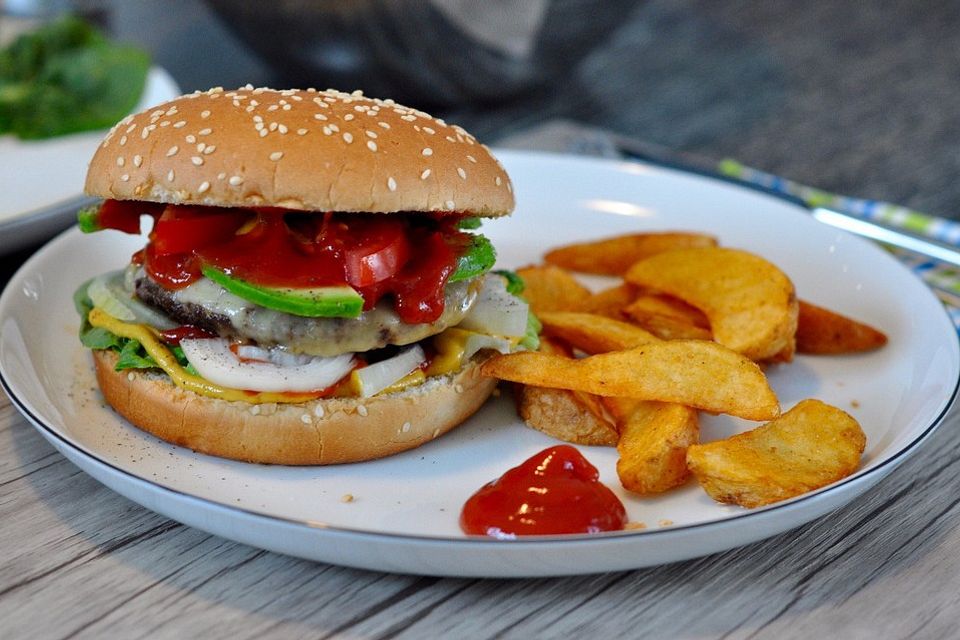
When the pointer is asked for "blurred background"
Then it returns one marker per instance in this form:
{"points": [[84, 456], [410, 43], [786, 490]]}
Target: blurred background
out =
{"points": [[856, 98]]}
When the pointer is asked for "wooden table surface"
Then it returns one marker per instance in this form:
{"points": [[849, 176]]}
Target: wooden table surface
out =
{"points": [[838, 95]]}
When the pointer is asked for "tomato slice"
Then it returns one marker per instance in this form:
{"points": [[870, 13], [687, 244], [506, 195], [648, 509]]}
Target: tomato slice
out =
{"points": [[124, 215], [378, 252], [182, 229]]}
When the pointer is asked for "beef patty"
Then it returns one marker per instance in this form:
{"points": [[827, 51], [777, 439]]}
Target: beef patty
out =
{"points": [[209, 306]]}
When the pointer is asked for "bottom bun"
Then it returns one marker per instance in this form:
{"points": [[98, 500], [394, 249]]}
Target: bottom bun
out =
{"points": [[324, 431]]}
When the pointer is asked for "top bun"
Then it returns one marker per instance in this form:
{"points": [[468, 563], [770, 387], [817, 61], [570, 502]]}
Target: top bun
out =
{"points": [[309, 150]]}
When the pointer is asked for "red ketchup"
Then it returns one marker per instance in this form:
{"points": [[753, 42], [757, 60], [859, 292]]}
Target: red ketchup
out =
{"points": [[556, 491]]}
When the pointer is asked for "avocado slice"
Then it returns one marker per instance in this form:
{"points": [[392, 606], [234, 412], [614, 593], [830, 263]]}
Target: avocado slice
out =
{"points": [[318, 302]]}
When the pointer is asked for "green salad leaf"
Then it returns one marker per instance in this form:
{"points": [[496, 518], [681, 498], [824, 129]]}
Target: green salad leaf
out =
{"points": [[67, 77], [476, 260]]}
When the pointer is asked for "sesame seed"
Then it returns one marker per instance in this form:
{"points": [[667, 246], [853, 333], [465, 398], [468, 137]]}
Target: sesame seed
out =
{"points": [[204, 186], [258, 118], [276, 155], [461, 173], [119, 161], [221, 175], [201, 147], [125, 177], [327, 131], [272, 107], [371, 145], [205, 113], [429, 130], [249, 108], [210, 149], [391, 184], [360, 107], [123, 140], [408, 118], [406, 427], [144, 133], [451, 139], [236, 181], [191, 138], [137, 160], [362, 410], [371, 134], [384, 125], [348, 137], [179, 123], [471, 159], [164, 123], [301, 132], [134, 126], [170, 175], [305, 418], [205, 132], [425, 174], [318, 411], [282, 128], [131, 377], [258, 125], [196, 160], [319, 116], [348, 117], [255, 409], [273, 126], [427, 151], [497, 180], [286, 107], [263, 133], [172, 151], [451, 205]]}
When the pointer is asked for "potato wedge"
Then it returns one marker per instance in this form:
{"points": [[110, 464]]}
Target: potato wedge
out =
{"points": [[610, 302], [668, 321], [808, 447], [654, 438], [550, 288], [750, 303], [561, 414], [613, 256], [696, 373], [571, 416], [592, 333], [821, 331]]}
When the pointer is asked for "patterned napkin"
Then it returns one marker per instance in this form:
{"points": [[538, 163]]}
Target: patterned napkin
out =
{"points": [[573, 137]]}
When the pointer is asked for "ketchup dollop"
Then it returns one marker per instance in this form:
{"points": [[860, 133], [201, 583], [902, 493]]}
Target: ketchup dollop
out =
{"points": [[556, 491]]}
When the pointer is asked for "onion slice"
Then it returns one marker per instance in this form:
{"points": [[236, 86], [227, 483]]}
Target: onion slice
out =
{"points": [[496, 311], [214, 361], [109, 292], [380, 375]]}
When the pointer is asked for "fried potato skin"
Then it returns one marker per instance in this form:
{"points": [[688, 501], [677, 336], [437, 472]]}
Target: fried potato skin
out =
{"points": [[559, 414], [821, 332], [696, 373], [613, 256], [610, 302], [808, 447], [653, 444], [594, 333], [750, 303], [550, 288]]}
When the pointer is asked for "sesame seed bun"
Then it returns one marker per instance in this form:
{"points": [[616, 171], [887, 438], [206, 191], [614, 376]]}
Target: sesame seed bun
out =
{"points": [[308, 150], [326, 431]]}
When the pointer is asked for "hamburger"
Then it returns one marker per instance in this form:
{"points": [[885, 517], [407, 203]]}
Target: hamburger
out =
{"points": [[313, 289]]}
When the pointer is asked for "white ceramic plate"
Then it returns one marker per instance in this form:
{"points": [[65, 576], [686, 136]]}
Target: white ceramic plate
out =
{"points": [[405, 509], [41, 185]]}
